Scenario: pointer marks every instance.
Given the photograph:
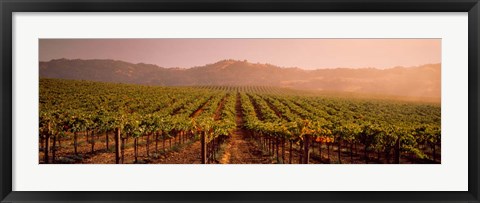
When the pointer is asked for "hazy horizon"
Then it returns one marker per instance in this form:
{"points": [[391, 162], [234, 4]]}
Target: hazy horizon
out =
{"points": [[201, 65], [308, 54]]}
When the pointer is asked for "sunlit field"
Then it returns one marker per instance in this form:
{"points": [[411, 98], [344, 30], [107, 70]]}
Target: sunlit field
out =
{"points": [[84, 122]]}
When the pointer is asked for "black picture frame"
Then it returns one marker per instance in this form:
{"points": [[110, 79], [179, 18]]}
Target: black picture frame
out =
{"points": [[7, 8]]}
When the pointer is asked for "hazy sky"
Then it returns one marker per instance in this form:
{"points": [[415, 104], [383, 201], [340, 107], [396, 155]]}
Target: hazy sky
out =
{"points": [[303, 53]]}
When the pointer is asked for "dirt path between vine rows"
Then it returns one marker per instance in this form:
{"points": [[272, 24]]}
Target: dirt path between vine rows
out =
{"points": [[239, 148], [189, 154]]}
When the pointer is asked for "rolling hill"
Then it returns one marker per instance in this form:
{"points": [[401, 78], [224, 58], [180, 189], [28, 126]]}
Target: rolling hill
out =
{"points": [[419, 81]]}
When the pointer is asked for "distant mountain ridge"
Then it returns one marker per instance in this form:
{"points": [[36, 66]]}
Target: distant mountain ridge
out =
{"points": [[420, 81]]}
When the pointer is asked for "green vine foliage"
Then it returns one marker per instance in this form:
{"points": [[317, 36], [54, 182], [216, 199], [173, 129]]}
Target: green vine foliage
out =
{"points": [[68, 107]]}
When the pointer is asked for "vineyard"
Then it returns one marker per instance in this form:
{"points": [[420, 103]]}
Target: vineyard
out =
{"points": [[94, 122]]}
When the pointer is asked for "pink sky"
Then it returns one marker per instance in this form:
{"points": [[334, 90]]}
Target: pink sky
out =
{"points": [[303, 53]]}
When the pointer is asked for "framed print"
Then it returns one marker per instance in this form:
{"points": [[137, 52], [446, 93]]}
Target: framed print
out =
{"points": [[239, 101]]}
